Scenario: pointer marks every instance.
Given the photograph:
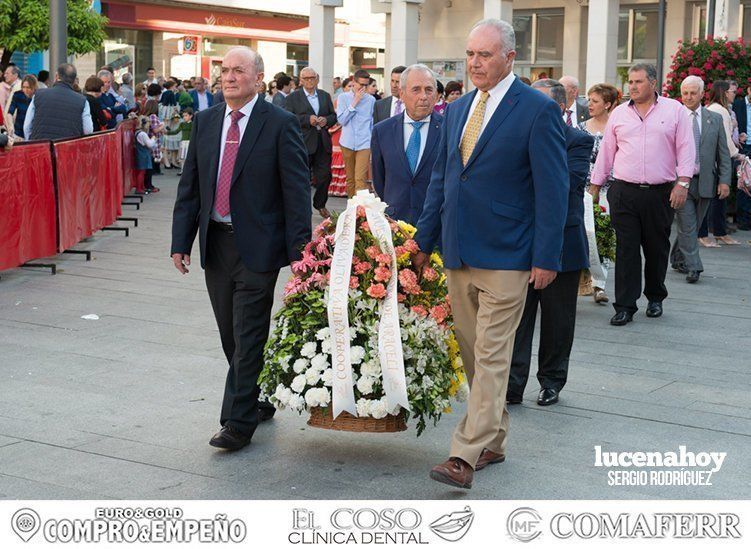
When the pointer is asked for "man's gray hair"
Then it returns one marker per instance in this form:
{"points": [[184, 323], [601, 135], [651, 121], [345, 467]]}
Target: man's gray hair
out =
{"points": [[256, 57], [309, 69], [693, 80], [648, 68], [505, 31], [104, 72], [67, 73], [557, 91], [416, 67], [14, 69], [127, 79]]}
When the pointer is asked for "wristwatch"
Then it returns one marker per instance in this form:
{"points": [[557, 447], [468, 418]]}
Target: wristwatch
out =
{"points": [[683, 184]]}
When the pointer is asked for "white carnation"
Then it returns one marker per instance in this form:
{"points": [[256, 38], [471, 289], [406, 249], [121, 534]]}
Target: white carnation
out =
{"points": [[317, 397], [282, 394], [298, 384], [379, 409], [326, 346], [463, 393], [363, 407], [319, 362], [323, 334], [356, 354], [300, 365], [365, 385], [371, 368], [297, 402], [328, 377], [312, 376], [309, 349]]}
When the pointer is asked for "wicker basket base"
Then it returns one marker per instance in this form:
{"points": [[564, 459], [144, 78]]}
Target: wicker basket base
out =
{"points": [[322, 418]]}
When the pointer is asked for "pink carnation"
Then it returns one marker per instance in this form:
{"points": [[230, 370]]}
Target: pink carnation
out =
{"points": [[401, 298], [363, 267], [411, 246], [361, 212], [408, 280], [382, 274], [377, 291], [429, 274], [439, 314], [384, 259], [354, 282], [372, 251], [400, 250], [419, 310], [364, 226]]}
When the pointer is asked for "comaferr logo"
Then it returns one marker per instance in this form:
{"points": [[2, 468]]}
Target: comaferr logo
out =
{"points": [[454, 526], [645, 525]]}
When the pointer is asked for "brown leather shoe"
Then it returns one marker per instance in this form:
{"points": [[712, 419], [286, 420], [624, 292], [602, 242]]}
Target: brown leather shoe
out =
{"points": [[454, 472], [487, 457]]}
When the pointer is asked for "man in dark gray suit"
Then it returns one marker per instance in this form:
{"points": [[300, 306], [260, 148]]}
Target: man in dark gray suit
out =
{"points": [[577, 110], [283, 85], [392, 105], [713, 166]]}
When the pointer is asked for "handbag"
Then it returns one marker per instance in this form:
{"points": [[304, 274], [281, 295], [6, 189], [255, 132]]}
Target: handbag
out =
{"points": [[744, 176]]}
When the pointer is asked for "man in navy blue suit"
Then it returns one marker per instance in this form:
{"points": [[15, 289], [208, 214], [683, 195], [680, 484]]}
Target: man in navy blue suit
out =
{"points": [[558, 301], [498, 199], [403, 148]]}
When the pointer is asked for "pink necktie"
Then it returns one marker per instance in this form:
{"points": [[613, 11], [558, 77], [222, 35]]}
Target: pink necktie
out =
{"points": [[398, 109], [568, 119], [221, 204]]}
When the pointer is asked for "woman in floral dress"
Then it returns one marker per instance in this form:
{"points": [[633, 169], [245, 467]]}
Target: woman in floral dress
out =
{"points": [[603, 98], [338, 185]]}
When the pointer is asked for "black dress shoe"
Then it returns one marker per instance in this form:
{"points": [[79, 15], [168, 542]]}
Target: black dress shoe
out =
{"points": [[692, 277], [229, 439], [621, 318], [547, 397], [654, 309], [265, 413], [680, 268], [513, 399]]}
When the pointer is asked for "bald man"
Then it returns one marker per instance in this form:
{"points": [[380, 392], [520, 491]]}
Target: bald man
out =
{"points": [[315, 112], [576, 111], [244, 190]]}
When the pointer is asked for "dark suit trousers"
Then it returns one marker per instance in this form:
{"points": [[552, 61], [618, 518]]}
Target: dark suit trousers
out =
{"points": [[320, 168], [642, 218], [557, 322], [242, 301]]}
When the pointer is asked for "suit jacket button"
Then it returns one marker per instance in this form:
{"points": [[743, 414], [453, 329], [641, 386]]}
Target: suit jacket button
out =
{"points": [[464, 178]]}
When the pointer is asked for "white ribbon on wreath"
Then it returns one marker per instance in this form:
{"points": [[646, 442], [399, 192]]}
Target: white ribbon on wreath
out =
{"points": [[389, 333]]}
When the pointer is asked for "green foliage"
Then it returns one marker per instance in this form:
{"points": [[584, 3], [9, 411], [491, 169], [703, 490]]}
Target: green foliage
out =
{"points": [[605, 234], [709, 59], [24, 26]]}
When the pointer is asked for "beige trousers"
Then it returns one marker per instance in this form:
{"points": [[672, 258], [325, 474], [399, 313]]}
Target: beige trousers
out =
{"points": [[487, 307], [356, 164]]}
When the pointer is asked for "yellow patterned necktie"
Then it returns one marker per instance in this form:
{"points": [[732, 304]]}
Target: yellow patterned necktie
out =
{"points": [[474, 126]]}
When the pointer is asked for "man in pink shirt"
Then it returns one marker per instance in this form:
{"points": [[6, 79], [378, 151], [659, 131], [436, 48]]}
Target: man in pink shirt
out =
{"points": [[647, 143]]}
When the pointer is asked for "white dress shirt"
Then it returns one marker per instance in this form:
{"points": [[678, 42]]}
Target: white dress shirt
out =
{"points": [[203, 101], [497, 93], [423, 134], [313, 100], [242, 123]]}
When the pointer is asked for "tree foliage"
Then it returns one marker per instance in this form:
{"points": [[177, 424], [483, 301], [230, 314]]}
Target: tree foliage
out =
{"points": [[710, 59], [24, 26]]}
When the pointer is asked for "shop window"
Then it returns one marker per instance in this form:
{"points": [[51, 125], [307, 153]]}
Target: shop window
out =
{"points": [[523, 32], [637, 34], [539, 38], [127, 51], [550, 37]]}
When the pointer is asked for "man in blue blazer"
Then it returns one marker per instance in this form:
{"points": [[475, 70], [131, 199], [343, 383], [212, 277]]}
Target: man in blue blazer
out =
{"points": [[557, 301], [403, 148], [202, 98], [498, 198]]}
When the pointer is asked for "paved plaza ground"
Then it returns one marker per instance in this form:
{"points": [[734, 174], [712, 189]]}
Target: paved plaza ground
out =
{"points": [[123, 407]]}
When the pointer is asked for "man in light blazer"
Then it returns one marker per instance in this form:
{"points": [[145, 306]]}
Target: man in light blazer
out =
{"points": [[498, 199], [315, 112], [403, 148], [712, 177], [392, 105]]}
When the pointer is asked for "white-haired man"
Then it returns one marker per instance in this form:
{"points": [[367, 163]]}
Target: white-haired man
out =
{"points": [[712, 174], [577, 110], [248, 198]]}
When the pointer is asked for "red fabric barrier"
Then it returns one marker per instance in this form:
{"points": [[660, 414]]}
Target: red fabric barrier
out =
{"points": [[89, 185], [27, 207], [127, 130]]}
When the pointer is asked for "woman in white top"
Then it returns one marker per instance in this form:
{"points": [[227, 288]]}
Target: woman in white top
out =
{"points": [[718, 103]]}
